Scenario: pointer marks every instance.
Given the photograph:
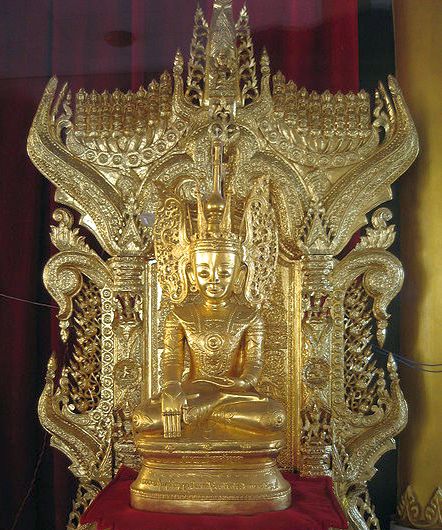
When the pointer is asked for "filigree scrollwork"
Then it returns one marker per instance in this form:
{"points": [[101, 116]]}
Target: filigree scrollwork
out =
{"points": [[367, 448], [63, 277], [246, 59], [371, 411], [83, 370], [197, 61], [86, 492], [171, 247], [261, 243], [63, 274], [411, 512], [364, 381], [83, 448], [354, 460]]}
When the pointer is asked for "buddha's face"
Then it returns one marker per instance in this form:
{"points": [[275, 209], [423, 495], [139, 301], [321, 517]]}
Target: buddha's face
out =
{"points": [[215, 273]]}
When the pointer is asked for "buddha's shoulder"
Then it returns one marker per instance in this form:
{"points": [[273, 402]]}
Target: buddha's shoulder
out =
{"points": [[247, 314], [183, 313]]}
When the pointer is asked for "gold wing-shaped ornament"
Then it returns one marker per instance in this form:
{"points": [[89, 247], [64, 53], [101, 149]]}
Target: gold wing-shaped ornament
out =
{"points": [[78, 183], [172, 248], [366, 184], [260, 242]]}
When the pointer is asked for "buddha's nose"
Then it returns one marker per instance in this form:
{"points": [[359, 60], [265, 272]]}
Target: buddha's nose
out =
{"points": [[214, 277]]}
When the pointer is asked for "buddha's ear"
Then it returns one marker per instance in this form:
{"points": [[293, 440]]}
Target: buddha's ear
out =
{"points": [[240, 279], [191, 279]]}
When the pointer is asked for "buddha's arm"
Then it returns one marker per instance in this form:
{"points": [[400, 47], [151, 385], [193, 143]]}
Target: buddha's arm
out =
{"points": [[253, 352], [173, 399], [172, 362]]}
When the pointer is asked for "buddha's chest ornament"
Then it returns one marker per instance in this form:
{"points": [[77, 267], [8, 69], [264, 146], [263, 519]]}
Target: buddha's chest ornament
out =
{"points": [[214, 345]]}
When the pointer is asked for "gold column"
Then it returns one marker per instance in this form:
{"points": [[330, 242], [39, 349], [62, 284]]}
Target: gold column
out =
{"points": [[418, 37]]}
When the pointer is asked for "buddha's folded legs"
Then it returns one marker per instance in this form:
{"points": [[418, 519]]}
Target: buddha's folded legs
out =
{"points": [[261, 415], [248, 411]]}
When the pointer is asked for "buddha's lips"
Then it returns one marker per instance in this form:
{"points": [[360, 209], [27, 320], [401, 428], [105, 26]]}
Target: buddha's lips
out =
{"points": [[214, 289]]}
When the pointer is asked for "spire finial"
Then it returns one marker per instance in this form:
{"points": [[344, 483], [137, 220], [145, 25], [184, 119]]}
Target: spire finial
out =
{"points": [[222, 71]]}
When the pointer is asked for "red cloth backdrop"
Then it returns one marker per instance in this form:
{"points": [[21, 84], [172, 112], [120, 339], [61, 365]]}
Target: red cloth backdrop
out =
{"points": [[87, 43]]}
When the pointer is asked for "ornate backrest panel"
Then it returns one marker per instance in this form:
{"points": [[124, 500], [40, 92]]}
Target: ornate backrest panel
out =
{"points": [[330, 160], [280, 377]]}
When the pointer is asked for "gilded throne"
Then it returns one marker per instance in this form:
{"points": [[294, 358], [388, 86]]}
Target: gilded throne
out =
{"points": [[323, 162]]}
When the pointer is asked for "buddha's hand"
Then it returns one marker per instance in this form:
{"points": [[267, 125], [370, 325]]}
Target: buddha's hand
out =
{"points": [[173, 405]]}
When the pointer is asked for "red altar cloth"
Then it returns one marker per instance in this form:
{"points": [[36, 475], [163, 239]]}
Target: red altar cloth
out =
{"points": [[314, 507]]}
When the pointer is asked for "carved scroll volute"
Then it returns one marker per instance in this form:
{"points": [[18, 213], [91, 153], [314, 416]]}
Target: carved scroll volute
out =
{"points": [[63, 274], [382, 276], [82, 434]]}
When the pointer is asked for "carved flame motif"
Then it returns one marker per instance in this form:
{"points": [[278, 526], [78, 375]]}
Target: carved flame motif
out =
{"points": [[329, 159]]}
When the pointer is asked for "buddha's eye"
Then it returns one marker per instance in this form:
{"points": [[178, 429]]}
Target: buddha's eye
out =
{"points": [[203, 273], [225, 273]]}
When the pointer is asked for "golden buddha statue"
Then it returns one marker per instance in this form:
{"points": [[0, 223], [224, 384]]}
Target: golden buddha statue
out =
{"points": [[216, 403]]}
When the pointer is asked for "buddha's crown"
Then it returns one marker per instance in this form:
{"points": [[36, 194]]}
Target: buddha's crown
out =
{"points": [[214, 218], [214, 223]]}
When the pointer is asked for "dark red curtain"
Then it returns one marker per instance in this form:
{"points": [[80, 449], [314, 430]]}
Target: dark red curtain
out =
{"points": [[106, 44]]}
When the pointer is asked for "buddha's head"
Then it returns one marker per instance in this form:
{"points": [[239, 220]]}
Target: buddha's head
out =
{"points": [[216, 269], [229, 248], [216, 272]]}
